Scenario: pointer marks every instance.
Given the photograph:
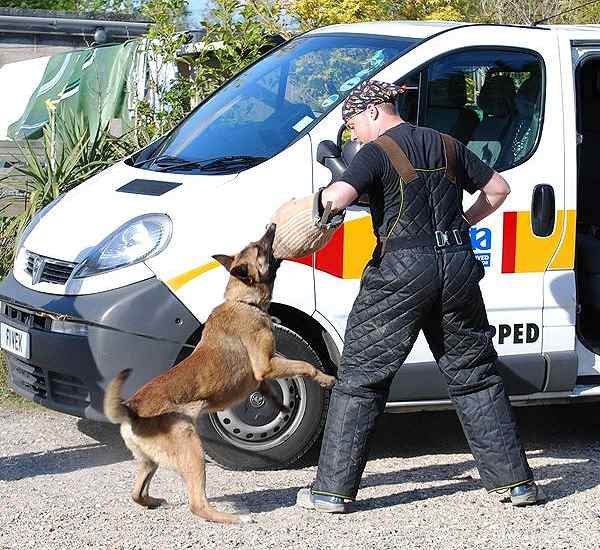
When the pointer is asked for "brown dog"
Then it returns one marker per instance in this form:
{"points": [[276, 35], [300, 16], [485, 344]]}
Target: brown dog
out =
{"points": [[235, 355]]}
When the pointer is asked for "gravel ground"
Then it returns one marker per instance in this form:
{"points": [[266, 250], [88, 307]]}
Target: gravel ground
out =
{"points": [[65, 482]]}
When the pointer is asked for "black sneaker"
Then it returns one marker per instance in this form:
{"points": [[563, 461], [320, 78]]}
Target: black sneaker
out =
{"points": [[322, 503], [527, 494]]}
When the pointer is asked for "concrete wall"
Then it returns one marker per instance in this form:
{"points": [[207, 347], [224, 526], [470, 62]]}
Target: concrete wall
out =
{"points": [[19, 47]]}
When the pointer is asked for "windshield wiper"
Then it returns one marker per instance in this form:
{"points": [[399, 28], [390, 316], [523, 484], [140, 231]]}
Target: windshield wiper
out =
{"points": [[168, 162], [231, 160]]}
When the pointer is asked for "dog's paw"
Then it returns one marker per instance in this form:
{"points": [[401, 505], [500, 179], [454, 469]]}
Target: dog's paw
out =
{"points": [[153, 503], [326, 381]]}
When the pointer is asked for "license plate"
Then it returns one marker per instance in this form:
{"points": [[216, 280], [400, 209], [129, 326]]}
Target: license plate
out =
{"points": [[14, 340]]}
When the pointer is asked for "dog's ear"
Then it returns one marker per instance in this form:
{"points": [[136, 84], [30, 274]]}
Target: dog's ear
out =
{"points": [[240, 271], [224, 260]]}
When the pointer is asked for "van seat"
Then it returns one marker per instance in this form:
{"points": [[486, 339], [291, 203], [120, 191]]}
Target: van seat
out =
{"points": [[491, 139], [447, 112]]}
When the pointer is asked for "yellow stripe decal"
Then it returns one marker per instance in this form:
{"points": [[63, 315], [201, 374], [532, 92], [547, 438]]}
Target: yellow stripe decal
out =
{"points": [[565, 259], [177, 282], [359, 243], [533, 253]]}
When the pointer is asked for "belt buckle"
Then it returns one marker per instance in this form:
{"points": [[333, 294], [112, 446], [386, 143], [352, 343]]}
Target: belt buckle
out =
{"points": [[441, 239], [456, 234]]}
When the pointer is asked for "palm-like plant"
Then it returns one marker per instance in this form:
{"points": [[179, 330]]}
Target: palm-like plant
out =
{"points": [[72, 153]]}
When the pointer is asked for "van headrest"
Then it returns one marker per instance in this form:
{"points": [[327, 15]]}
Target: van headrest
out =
{"points": [[448, 92], [527, 96], [497, 95]]}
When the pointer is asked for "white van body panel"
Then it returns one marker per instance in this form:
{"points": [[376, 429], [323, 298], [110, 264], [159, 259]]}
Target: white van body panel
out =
{"points": [[220, 214], [526, 289], [242, 208]]}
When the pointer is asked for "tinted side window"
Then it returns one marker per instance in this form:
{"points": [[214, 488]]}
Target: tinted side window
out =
{"points": [[491, 100]]}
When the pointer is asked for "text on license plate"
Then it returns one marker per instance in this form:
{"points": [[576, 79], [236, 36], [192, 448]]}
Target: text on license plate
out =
{"points": [[14, 340]]}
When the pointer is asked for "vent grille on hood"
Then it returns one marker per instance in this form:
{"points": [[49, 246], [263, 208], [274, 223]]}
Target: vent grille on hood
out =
{"points": [[148, 187]]}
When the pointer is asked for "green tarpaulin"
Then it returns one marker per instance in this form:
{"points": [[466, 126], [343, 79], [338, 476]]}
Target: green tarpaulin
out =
{"points": [[93, 83]]}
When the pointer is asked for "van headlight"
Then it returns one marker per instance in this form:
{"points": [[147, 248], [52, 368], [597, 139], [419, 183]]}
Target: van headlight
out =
{"points": [[135, 241]]}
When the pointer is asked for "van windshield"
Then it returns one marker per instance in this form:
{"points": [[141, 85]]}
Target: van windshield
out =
{"points": [[264, 109]]}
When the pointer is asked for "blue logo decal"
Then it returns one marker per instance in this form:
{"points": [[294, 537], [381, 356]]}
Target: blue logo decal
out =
{"points": [[481, 241]]}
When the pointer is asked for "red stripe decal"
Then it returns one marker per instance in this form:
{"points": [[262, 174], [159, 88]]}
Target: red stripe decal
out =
{"points": [[509, 242], [331, 258], [307, 260]]}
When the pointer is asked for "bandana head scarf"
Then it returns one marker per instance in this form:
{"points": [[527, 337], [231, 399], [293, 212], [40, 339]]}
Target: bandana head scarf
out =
{"points": [[369, 92]]}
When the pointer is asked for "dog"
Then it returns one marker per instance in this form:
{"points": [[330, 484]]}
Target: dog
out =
{"points": [[234, 358]]}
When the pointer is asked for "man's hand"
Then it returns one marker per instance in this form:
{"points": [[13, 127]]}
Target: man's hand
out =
{"points": [[340, 194], [491, 196]]}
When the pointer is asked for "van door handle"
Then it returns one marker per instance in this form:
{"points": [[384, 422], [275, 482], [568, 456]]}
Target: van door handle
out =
{"points": [[543, 210]]}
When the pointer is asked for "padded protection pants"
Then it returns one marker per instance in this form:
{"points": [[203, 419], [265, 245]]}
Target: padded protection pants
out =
{"points": [[436, 291]]}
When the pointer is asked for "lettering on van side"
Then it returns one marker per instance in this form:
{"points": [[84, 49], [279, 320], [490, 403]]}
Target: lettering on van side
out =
{"points": [[519, 333], [481, 242]]}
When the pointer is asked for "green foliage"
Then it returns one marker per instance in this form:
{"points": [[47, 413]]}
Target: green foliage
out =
{"points": [[116, 6], [66, 5], [7, 395], [72, 154], [236, 34], [316, 13]]}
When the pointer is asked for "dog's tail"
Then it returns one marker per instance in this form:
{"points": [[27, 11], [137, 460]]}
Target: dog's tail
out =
{"points": [[114, 408]]}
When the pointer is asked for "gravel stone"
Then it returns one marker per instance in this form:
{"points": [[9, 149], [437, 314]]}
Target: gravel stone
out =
{"points": [[65, 483]]}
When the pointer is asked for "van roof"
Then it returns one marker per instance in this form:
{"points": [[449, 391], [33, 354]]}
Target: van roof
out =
{"points": [[414, 29], [424, 29]]}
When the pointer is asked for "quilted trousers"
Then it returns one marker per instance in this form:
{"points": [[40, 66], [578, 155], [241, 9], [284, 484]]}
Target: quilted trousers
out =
{"points": [[437, 291]]}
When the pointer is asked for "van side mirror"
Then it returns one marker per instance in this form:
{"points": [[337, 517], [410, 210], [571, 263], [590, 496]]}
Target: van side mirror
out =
{"points": [[349, 151], [330, 156]]}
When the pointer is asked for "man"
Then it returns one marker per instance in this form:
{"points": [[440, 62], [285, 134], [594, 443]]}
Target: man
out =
{"points": [[423, 276]]}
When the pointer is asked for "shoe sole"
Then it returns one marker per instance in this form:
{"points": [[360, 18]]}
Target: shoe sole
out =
{"points": [[530, 499], [304, 501]]}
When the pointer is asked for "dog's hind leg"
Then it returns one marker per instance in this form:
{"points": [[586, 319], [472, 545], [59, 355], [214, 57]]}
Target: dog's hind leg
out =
{"points": [[140, 489], [192, 468]]}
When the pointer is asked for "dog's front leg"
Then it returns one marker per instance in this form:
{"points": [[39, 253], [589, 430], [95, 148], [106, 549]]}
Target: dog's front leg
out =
{"points": [[280, 367]]}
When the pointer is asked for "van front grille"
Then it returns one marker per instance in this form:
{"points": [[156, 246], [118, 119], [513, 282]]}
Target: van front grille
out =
{"points": [[52, 271], [61, 388], [21, 316], [28, 378], [68, 390]]}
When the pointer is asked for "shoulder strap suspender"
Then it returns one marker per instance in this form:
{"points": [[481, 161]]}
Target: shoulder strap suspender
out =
{"points": [[450, 152], [398, 158]]}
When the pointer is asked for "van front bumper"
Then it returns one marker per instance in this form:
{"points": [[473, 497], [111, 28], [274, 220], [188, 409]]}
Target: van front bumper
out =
{"points": [[142, 327]]}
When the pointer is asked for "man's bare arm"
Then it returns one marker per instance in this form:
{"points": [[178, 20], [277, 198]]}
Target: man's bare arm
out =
{"points": [[341, 195], [491, 196]]}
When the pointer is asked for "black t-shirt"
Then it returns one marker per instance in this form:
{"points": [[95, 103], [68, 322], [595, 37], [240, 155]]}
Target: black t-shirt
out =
{"points": [[372, 172]]}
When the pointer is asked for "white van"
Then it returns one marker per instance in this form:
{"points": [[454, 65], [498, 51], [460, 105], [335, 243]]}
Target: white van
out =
{"points": [[118, 272]]}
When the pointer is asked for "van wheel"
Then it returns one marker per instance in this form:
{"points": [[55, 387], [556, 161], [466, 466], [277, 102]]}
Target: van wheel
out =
{"points": [[254, 435]]}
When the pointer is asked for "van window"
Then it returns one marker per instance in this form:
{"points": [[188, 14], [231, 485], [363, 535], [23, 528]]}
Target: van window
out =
{"points": [[491, 100], [265, 108]]}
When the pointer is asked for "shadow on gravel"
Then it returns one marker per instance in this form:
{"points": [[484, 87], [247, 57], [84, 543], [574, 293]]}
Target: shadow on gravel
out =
{"points": [[109, 449], [566, 433]]}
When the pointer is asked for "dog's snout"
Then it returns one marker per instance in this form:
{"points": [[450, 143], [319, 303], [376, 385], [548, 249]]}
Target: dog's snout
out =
{"points": [[269, 236]]}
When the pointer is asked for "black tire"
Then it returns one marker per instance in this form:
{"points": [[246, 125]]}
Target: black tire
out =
{"points": [[274, 441]]}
